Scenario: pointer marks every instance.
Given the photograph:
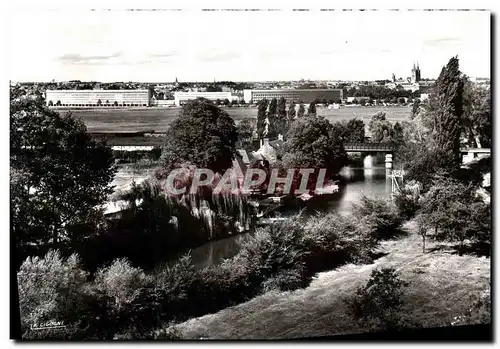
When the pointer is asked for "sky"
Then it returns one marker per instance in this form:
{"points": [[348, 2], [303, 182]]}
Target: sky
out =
{"points": [[158, 46]]}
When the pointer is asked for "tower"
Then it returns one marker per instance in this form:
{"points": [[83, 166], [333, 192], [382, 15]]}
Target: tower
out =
{"points": [[417, 73], [393, 77], [414, 73]]}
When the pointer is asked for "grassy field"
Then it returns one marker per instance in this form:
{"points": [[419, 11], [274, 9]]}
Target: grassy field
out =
{"points": [[442, 285], [158, 119]]}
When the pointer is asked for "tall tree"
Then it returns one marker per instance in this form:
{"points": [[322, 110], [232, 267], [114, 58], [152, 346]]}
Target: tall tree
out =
{"points": [[449, 108], [291, 114], [281, 120], [261, 117], [476, 119], [301, 110], [271, 115], [59, 177], [204, 135], [245, 134], [312, 109], [416, 108]]}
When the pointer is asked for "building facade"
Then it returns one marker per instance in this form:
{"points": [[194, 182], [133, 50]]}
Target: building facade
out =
{"points": [[306, 96], [98, 98], [182, 97]]}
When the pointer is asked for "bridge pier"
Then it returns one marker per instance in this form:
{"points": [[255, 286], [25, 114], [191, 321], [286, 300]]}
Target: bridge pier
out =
{"points": [[388, 160]]}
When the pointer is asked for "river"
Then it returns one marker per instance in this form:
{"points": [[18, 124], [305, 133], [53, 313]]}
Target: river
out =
{"points": [[370, 180]]}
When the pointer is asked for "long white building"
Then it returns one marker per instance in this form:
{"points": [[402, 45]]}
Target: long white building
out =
{"points": [[98, 98], [182, 97], [295, 95]]}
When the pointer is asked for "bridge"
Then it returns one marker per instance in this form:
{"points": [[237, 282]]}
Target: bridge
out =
{"points": [[468, 154], [369, 147]]}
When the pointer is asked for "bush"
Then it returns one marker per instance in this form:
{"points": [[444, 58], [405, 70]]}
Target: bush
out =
{"points": [[120, 281], [287, 280], [51, 289], [333, 240], [407, 200], [378, 303], [276, 248], [380, 218]]}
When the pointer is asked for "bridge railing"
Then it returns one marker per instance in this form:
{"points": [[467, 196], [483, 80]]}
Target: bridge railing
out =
{"points": [[368, 146]]}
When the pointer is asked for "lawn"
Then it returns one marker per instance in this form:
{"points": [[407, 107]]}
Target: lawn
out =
{"points": [[158, 119], [441, 285]]}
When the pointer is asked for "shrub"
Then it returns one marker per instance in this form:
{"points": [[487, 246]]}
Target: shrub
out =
{"points": [[407, 200], [333, 240], [380, 217], [287, 280], [50, 289], [275, 248], [378, 303], [120, 281]]}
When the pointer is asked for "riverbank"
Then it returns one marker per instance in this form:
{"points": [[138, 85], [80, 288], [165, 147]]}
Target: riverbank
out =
{"points": [[442, 286]]}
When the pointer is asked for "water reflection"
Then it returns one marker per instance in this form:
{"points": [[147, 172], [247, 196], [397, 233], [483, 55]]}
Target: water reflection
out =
{"points": [[359, 181]]}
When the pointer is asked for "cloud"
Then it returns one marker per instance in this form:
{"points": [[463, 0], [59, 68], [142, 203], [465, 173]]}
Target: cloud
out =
{"points": [[443, 42], [118, 58], [163, 55], [76, 58], [214, 56]]}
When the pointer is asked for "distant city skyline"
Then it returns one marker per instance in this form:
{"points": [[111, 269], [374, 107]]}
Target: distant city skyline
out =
{"points": [[109, 46]]}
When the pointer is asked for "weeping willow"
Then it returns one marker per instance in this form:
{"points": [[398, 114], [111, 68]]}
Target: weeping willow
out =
{"points": [[219, 214]]}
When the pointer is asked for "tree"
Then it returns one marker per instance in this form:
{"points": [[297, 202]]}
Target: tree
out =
{"points": [[301, 111], [51, 103], [352, 131], [59, 177], [218, 102], [271, 115], [261, 117], [362, 102], [448, 96], [454, 211], [281, 117], [290, 115], [203, 135], [273, 106], [380, 128], [234, 102], [242, 102], [226, 102], [312, 109], [115, 103], [58, 103], [476, 119], [99, 103], [401, 100], [312, 142], [245, 134], [354, 101], [397, 136], [416, 108]]}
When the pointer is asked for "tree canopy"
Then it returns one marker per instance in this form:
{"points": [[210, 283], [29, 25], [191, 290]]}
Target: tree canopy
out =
{"points": [[313, 142], [203, 135], [59, 176]]}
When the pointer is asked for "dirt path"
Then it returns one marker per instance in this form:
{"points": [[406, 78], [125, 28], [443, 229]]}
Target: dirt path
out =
{"points": [[441, 284]]}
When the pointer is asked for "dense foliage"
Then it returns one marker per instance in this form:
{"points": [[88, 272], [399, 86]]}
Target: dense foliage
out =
{"points": [[59, 178], [203, 135], [312, 142]]}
